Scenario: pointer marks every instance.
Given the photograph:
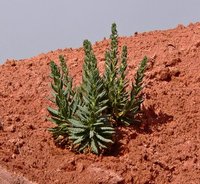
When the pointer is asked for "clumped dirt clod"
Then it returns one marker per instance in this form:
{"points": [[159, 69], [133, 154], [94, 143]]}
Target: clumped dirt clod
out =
{"points": [[164, 149]]}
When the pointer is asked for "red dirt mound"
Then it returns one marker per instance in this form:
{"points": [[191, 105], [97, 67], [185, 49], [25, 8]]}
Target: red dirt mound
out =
{"points": [[165, 149]]}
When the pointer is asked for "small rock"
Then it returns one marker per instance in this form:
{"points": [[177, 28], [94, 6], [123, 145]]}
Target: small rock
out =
{"points": [[173, 62], [74, 64], [75, 59], [9, 119], [180, 26], [6, 159], [171, 45], [175, 72], [164, 74], [197, 44], [80, 167], [13, 141], [1, 125], [16, 150], [102, 175], [13, 156], [69, 165], [13, 63], [30, 65], [31, 127], [17, 119], [20, 135], [20, 143], [11, 128], [101, 58], [171, 132]]}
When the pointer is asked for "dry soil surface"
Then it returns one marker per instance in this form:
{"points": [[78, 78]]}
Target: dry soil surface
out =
{"points": [[164, 149]]}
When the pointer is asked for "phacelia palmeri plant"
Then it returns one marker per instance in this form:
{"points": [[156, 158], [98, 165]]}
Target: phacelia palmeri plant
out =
{"points": [[87, 114]]}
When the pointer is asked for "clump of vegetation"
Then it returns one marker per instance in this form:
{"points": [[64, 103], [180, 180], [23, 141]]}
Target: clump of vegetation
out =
{"points": [[87, 115]]}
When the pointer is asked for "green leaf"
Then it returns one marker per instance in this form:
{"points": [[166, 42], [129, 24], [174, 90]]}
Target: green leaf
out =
{"points": [[76, 123], [98, 124], [73, 136], [102, 145], [81, 116], [54, 87], [108, 132], [57, 121], [107, 128], [100, 110], [94, 146], [91, 134], [83, 145], [53, 112], [76, 130], [103, 139], [79, 140], [84, 109]]}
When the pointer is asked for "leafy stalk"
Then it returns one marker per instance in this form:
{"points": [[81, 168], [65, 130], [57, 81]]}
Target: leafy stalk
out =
{"points": [[121, 103], [133, 104], [64, 98], [90, 128]]}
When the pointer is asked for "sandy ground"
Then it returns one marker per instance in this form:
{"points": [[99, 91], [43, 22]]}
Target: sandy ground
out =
{"points": [[164, 149], [10, 178]]}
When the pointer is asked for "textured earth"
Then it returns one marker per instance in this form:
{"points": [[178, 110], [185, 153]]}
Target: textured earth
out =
{"points": [[164, 149]]}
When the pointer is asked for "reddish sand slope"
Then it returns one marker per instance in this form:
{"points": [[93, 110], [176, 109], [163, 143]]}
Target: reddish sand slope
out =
{"points": [[166, 149]]}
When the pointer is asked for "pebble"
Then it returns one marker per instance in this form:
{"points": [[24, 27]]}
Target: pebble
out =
{"points": [[11, 128], [173, 62], [80, 167], [164, 74], [69, 165], [1, 125]]}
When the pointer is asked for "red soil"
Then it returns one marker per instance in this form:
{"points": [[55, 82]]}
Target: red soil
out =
{"points": [[165, 149]]}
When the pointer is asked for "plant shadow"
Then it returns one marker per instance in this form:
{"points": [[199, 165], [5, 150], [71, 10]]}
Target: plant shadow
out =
{"points": [[145, 123], [150, 121]]}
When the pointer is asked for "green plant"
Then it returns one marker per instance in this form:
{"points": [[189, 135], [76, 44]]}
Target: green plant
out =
{"points": [[64, 98], [87, 114], [90, 127], [123, 106]]}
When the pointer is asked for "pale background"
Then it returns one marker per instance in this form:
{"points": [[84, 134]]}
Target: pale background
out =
{"points": [[31, 27]]}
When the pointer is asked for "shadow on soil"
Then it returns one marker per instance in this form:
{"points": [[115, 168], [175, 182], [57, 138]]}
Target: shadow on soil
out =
{"points": [[150, 121], [146, 123]]}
